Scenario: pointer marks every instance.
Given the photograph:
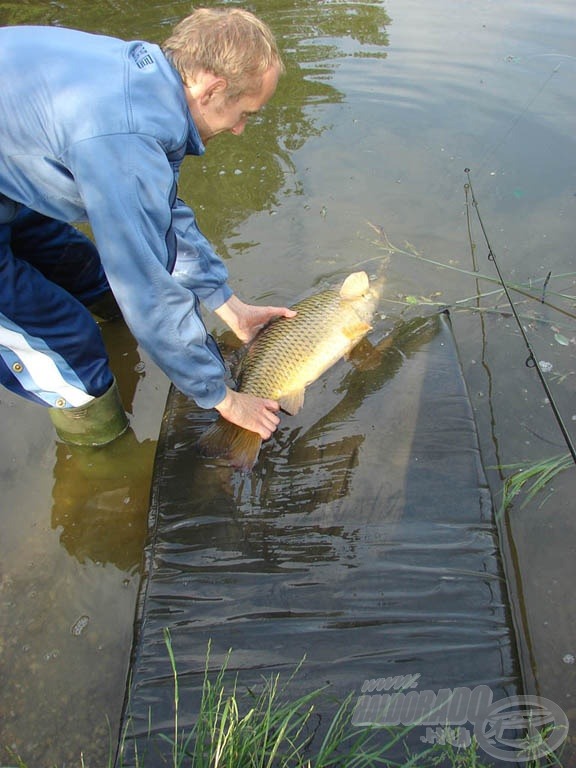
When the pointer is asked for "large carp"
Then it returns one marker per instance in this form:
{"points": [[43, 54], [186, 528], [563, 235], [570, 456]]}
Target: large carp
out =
{"points": [[290, 353]]}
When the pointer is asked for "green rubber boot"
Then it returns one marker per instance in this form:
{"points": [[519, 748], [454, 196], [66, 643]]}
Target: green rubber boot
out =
{"points": [[99, 422]]}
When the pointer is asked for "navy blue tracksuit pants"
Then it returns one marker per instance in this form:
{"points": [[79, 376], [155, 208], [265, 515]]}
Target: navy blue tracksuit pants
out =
{"points": [[51, 349]]}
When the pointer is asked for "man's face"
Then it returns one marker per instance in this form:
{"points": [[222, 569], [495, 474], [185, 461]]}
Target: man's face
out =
{"points": [[214, 114]]}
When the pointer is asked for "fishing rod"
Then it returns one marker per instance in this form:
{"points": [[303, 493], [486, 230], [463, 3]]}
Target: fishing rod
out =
{"points": [[531, 361]]}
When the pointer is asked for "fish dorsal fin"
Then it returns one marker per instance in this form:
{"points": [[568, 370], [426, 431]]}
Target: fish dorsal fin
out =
{"points": [[355, 285], [292, 402]]}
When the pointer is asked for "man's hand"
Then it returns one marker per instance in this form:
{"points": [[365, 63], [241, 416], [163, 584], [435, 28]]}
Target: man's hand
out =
{"points": [[247, 319], [257, 414]]}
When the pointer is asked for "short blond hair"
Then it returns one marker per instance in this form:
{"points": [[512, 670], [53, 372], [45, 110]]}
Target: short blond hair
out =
{"points": [[228, 42]]}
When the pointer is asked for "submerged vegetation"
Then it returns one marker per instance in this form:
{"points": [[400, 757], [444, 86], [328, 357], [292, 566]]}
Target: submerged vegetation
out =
{"points": [[470, 302]]}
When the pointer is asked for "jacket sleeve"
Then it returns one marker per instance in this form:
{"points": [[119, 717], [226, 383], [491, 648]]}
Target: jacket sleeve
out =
{"points": [[197, 265], [128, 189]]}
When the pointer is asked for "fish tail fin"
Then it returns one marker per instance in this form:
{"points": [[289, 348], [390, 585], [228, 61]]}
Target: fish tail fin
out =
{"points": [[226, 440]]}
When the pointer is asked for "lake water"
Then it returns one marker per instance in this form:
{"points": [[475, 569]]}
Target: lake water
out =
{"points": [[383, 106]]}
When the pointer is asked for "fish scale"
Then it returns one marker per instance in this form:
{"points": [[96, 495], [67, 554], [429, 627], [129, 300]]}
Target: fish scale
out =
{"points": [[290, 342]]}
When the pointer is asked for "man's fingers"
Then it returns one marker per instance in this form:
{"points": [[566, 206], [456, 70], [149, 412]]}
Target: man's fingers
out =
{"points": [[257, 414], [282, 312], [269, 419]]}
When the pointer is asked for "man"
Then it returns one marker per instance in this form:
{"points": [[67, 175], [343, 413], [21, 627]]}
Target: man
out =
{"points": [[94, 128]]}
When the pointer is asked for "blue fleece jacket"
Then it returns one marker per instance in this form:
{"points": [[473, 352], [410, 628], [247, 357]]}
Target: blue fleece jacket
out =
{"points": [[94, 128]]}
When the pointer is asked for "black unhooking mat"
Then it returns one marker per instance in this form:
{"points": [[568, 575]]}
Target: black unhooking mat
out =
{"points": [[362, 543]]}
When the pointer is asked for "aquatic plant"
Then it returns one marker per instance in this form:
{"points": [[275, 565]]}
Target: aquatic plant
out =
{"points": [[266, 729], [530, 478], [527, 291]]}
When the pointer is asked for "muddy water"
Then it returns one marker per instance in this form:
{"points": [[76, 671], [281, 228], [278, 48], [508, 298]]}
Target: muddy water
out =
{"points": [[383, 106]]}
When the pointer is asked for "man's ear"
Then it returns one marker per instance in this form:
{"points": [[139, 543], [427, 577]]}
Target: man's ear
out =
{"points": [[214, 87]]}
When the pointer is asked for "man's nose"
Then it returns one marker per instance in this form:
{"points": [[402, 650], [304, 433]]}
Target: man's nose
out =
{"points": [[238, 129]]}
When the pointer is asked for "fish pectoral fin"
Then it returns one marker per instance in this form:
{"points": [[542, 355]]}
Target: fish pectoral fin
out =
{"points": [[356, 330], [292, 402]]}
